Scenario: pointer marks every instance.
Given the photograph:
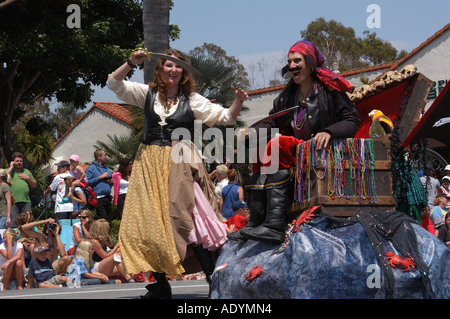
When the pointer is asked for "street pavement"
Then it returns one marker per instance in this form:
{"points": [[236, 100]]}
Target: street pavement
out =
{"points": [[181, 289]]}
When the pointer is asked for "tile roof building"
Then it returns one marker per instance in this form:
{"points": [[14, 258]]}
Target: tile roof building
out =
{"points": [[101, 120]]}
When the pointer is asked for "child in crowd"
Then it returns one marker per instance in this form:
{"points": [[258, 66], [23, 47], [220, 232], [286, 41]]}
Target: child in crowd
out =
{"points": [[79, 175], [82, 264], [41, 271], [11, 259], [240, 217]]}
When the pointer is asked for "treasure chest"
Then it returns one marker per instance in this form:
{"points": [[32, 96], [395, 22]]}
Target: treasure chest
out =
{"points": [[348, 176], [355, 173]]}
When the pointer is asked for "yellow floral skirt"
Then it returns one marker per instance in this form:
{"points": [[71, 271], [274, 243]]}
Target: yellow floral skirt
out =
{"points": [[157, 216], [146, 237]]}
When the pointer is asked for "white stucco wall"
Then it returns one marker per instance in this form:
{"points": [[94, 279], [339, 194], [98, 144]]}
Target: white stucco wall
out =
{"points": [[433, 61], [259, 107], [94, 127]]}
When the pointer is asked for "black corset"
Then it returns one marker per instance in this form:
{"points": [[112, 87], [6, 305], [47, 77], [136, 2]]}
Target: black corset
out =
{"points": [[154, 133]]}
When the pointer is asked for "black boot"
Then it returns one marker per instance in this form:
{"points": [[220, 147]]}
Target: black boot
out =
{"points": [[159, 289], [206, 260], [257, 205], [279, 192]]}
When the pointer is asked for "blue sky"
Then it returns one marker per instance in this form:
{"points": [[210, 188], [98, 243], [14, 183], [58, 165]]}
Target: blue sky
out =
{"points": [[254, 29]]}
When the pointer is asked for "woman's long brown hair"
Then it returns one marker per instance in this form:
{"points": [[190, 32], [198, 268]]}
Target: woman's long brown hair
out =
{"points": [[187, 83]]}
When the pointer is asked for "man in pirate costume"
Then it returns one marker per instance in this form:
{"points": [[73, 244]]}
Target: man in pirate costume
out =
{"points": [[324, 112]]}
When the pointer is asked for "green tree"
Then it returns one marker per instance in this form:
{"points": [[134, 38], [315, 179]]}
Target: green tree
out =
{"points": [[339, 43], [37, 148], [62, 119], [218, 73], [41, 56], [211, 52]]}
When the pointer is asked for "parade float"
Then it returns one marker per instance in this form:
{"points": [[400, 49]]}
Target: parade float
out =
{"points": [[354, 226]]}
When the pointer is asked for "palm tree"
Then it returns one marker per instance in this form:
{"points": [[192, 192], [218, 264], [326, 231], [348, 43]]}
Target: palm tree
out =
{"points": [[38, 150], [118, 148], [156, 31], [217, 76]]}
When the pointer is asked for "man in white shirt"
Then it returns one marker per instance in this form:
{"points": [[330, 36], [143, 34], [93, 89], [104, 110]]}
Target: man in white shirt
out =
{"points": [[222, 180], [62, 210], [431, 185]]}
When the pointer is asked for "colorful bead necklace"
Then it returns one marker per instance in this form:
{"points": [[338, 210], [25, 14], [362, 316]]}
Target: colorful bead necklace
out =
{"points": [[346, 167]]}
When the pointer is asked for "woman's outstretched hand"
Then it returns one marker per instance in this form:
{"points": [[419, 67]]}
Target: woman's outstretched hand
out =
{"points": [[240, 94]]}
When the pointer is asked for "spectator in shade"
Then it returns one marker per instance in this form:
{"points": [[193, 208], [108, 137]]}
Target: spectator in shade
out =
{"points": [[430, 184], [240, 217], [22, 181], [100, 179], [80, 230], [230, 193], [63, 210], [11, 259], [443, 230], [121, 179], [426, 221], [5, 199], [445, 190]]}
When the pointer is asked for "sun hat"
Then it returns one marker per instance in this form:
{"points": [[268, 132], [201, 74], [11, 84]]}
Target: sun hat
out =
{"points": [[74, 157]]}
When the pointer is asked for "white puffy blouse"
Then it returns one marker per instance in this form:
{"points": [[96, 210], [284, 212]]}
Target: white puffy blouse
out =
{"points": [[136, 93]]}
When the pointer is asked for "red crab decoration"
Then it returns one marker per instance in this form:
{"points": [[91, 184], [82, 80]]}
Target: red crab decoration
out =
{"points": [[396, 261], [305, 217], [254, 273]]}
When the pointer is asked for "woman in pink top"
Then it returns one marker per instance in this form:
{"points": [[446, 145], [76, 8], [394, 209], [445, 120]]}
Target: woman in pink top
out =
{"points": [[121, 179]]}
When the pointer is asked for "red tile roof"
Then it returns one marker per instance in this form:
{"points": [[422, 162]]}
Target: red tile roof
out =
{"points": [[266, 90], [120, 111], [368, 69]]}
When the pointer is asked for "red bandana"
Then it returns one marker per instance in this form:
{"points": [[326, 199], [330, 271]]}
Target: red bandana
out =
{"points": [[332, 80]]}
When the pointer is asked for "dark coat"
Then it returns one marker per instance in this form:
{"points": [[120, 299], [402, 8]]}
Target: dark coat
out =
{"points": [[336, 115]]}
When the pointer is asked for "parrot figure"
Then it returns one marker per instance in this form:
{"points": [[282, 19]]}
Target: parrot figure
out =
{"points": [[381, 124]]}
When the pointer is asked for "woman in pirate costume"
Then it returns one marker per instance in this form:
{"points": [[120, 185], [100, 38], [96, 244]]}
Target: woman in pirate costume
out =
{"points": [[170, 205]]}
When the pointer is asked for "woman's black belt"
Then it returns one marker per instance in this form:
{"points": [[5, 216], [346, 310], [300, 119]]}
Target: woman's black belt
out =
{"points": [[160, 136]]}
